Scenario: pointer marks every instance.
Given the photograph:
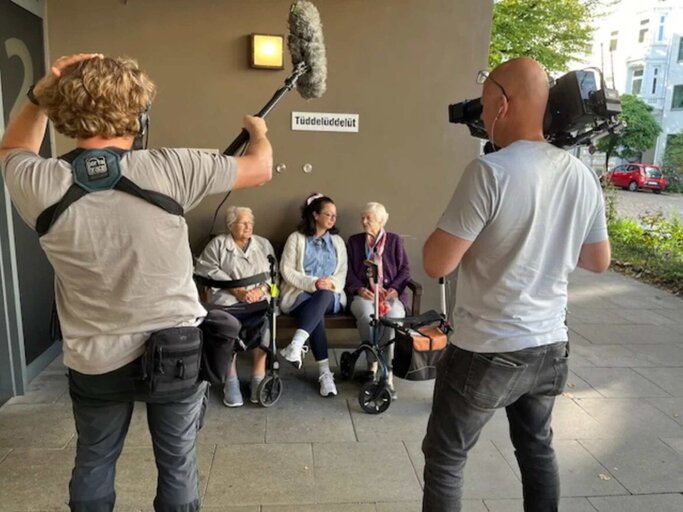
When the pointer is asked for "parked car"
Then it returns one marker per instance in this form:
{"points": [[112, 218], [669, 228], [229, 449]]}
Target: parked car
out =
{"points": [[634, 176]]}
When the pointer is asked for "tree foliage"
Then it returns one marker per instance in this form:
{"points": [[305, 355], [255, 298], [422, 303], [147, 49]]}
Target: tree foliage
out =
{"points": [[639, 134], [673, 156], [554, 32]]}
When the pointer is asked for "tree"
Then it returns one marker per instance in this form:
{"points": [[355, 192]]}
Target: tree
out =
{"points": [[639, 133], [673, 163], [554, 32]]}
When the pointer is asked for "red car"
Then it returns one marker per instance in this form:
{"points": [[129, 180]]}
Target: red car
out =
{"points": [[635, 176]]}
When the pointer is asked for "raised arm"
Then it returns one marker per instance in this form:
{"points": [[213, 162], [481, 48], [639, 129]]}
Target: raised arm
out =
{"points": [[256, 166]]}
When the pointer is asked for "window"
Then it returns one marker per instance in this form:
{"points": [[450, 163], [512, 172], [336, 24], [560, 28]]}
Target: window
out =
{"points": [[636, 81], [677, 101], [680, 49], [660, 31], [655, 72], [613, 41], [643, 30]]}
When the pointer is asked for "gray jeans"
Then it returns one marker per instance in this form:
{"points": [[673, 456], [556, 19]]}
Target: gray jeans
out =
{"points": [[102, 407], [469, 388]]}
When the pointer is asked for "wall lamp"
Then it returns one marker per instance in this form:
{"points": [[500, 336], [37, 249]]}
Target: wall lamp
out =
{"points": [[266, 51]]}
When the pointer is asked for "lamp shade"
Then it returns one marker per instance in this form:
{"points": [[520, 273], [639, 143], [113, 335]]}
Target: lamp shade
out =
{"points": [[266, 51]]}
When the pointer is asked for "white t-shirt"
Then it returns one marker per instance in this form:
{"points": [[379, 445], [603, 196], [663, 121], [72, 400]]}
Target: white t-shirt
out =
{"points": [[528, 209], [123, 267]]}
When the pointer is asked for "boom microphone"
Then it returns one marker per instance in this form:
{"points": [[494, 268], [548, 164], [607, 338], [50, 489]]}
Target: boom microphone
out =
{"points": [[307, 49], [306, 45]]}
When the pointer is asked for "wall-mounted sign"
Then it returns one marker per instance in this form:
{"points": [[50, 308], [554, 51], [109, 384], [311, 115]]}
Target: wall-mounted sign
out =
{"points": [[324, 122]]}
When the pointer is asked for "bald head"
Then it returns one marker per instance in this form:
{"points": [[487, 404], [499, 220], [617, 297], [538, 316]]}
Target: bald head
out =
{"points": [[526, 85]]}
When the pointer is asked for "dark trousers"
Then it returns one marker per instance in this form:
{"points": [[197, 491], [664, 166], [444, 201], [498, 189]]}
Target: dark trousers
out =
{"points": [[102, 407], [469, 388], [310, 316]]}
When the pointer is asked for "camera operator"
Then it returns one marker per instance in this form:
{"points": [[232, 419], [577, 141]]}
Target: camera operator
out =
{"points": [[520, 220], [123, 266]]}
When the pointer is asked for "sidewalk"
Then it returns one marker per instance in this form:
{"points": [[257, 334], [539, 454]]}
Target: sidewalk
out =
{"points": [[618, 431]]}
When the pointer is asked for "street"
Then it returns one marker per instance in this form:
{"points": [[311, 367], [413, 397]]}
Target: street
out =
{"points": [[634, 204]]}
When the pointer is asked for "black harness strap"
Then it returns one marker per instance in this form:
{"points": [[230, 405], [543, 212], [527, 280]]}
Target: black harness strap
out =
{"points": [[50, 215], [235, 283]]}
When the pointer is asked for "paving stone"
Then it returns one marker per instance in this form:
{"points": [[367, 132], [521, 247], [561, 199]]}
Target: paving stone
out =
{"points": [[654, 503], [35, 479], [566, 505], [645, 466], [672, 407], [658, 355], [4, 452], [47, 388], [627, 334], [404, 420], [674, 442], [585, 315], [634, 418], [643, 316], [253, 474], [327, 507], [610, 356], [669, 379], [255, 508], [416, 506], [226, 425], [620, 383], [136, 475], [570, 421], [36, 426], [576, 387], [358, 472], [580, 473]]}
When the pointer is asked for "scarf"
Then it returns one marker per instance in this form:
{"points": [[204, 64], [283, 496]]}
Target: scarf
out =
{"points": [[374, 250]]}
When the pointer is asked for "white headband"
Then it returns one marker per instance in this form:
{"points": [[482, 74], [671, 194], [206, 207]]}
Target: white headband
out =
{"points": [[313, 198]]}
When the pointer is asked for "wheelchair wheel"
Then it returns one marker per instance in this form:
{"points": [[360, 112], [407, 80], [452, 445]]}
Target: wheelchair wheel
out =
{"points": [[269, 390], [346, 365], [374, 398]]}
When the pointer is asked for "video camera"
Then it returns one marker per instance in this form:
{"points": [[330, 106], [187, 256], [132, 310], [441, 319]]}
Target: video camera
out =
{"points": [[578, 110]]}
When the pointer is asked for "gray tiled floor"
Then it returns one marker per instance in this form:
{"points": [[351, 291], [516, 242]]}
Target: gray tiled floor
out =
{"points": [[618, 432]]}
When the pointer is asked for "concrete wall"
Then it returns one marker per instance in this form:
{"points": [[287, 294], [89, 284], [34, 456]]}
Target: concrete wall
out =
{"points": [[396, 63]]}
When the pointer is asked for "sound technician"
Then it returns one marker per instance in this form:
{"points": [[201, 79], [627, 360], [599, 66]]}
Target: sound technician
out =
{"points": [[122, 262], [520, 220]]}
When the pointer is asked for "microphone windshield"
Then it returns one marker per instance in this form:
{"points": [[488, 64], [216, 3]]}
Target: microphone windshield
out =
{"points": [[306, 45]]}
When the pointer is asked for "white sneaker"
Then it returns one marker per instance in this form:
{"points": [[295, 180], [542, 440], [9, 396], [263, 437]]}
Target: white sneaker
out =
{"points": [[232, 397], [294, 354], [327, 386]]}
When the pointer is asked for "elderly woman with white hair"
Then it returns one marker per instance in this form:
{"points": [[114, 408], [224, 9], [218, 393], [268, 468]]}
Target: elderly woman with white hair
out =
{"points": [[387, 251], [236, 255]]}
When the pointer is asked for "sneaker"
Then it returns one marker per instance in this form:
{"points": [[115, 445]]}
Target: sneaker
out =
{"points": [[232, 397], [294, 355], [255, 381], [327, 386]]}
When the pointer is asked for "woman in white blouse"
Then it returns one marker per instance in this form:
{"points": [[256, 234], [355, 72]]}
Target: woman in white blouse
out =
{"points": [[313, 272], [236, 255]]}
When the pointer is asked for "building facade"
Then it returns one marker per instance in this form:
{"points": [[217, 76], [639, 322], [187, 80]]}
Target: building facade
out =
{"points": [[639, 46]]}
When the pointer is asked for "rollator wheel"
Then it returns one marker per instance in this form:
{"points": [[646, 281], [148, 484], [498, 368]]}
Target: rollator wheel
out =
{"points": [[269, 390], [346, 365], [374, 398]]}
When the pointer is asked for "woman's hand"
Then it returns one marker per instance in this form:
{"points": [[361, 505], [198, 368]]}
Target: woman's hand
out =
{"points": [[240, 293], [254, 295], [324, 283], [366, 294], [391, 294]]}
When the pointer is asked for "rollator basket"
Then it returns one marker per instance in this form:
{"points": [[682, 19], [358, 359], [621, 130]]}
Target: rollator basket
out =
{"points": [[418, 350]]}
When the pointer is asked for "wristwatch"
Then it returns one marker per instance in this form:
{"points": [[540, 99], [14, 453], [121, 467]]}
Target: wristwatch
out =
{"points": [[32, 97]]}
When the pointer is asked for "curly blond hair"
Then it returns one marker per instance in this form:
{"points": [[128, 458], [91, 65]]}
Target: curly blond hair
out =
{"points": [[100, 96]]}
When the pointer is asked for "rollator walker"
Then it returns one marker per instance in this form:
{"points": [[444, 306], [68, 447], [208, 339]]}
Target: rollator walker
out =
{"points": [[374, 396], [251, 334]]}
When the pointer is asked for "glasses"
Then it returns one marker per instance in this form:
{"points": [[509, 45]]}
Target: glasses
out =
{"points": [[484, 75], [329, 215]]}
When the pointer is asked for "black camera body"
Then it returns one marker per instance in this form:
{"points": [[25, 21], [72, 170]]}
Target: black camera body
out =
{"points": [[580, 109]]}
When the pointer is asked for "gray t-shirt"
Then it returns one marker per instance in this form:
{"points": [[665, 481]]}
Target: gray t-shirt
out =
{"points": [[528, 209], [123, 267]]}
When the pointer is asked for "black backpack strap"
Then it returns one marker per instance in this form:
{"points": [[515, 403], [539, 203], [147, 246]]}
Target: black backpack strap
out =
{"points": [[234, 283], [163, 201], [50, 215]]}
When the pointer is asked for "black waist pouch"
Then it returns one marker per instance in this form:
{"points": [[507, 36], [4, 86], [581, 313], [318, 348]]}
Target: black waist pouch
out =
{"points": [[171, 362]]}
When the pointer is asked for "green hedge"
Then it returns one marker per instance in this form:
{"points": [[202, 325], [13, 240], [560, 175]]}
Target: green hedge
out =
{"points": [[650, 248]]}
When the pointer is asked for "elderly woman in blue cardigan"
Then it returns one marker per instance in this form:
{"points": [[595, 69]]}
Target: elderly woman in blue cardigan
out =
{"points": [[313, 268], [387, 251]]}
